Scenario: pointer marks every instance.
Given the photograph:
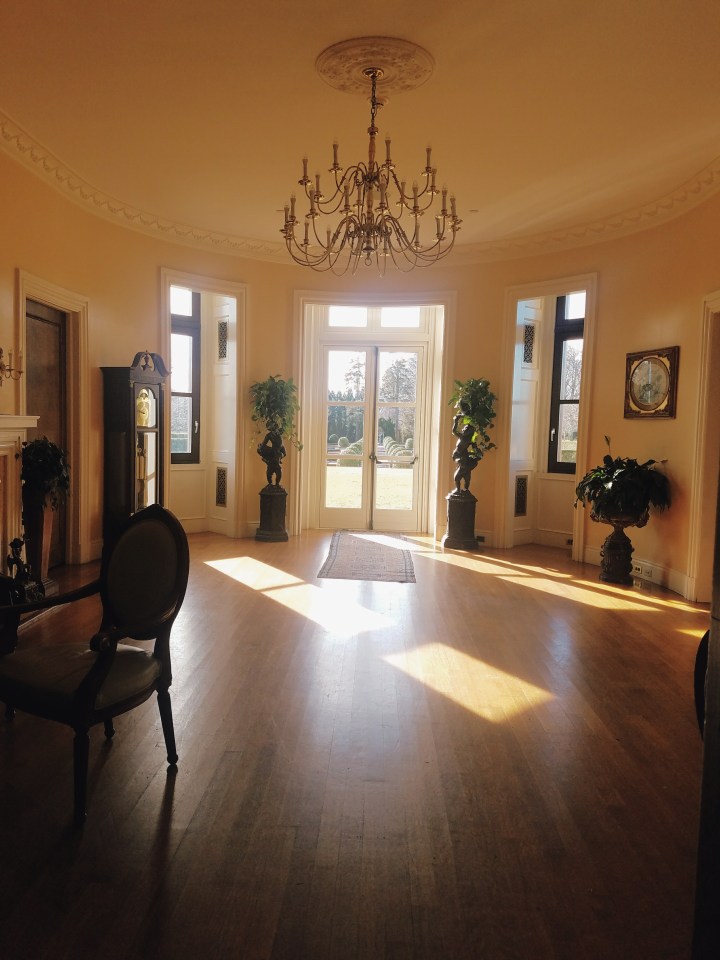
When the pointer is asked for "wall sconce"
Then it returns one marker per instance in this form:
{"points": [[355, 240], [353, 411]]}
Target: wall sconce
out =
{"points": [[7, 371]]}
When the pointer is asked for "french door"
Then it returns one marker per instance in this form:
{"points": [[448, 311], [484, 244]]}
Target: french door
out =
{"points": [[372, 408]]}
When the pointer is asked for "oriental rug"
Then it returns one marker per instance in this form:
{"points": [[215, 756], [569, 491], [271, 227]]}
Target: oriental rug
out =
{"points": [[364, 555]]}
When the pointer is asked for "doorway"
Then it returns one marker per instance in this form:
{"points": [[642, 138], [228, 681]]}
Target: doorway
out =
{"points": [[45, 392], [373, 409], [372, 376]]}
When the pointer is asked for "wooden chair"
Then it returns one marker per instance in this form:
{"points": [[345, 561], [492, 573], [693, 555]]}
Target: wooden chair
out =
{"points": [[142, 582]]}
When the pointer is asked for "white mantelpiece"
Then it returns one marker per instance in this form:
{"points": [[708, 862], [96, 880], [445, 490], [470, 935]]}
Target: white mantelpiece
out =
{"points": [[13, 431]]}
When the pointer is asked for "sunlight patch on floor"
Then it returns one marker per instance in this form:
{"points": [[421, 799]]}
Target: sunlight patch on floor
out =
{"points": [[331, 610], [596, 594], [476, 686]]}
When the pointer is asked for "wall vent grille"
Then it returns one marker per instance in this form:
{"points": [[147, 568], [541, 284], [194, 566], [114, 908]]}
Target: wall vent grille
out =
{"points": [[521, 496], [221, 487], [528, 343], [222, 339]]}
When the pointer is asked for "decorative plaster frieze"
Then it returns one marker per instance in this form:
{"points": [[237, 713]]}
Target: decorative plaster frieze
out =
{"points": [[18, 143]]}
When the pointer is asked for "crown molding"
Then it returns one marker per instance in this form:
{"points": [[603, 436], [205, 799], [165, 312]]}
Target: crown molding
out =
{"points": [[674, 204], [15, 141], [37, 158]]}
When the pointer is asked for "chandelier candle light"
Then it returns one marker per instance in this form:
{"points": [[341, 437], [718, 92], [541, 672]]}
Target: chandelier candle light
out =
{"points": [[379, 218]]}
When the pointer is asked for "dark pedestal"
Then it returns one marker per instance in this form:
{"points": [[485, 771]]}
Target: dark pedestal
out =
{"points": [[461, 521], [616, 553], [273, 500]]}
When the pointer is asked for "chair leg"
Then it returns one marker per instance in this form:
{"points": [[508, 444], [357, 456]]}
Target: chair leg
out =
{"points": [[81, 750], [167, 724]]}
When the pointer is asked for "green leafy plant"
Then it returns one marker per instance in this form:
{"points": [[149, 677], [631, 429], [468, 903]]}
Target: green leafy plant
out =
{"points": [[622, 487], [475, 403], [45, 474], [275, 407]]}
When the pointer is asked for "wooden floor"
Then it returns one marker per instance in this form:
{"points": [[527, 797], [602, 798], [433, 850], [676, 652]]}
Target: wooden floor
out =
{"points": [[498, 761]]}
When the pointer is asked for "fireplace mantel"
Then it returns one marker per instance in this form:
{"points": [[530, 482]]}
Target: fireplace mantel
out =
{"points": [[13, 431]]}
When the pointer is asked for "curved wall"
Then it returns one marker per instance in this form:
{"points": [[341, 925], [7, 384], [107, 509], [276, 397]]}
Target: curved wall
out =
{"points": [[651, 287]]}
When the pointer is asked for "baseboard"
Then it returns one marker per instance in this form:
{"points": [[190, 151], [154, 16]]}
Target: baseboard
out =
{"points": [[484, 538], [648, 571]]}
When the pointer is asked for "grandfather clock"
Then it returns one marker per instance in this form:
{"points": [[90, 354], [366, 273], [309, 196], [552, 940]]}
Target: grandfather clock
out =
{"points": [[134, 427]]}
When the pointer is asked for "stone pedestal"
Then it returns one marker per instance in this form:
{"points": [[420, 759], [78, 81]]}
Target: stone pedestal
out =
{"points": [[461, 521], [273, 500]]}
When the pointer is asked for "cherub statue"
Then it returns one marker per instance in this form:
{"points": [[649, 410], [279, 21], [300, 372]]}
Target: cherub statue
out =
{"points": [[272, 452], [464, 453]]}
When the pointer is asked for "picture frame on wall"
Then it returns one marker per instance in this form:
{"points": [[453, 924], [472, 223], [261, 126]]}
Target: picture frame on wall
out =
{"points": [[651, 383]]}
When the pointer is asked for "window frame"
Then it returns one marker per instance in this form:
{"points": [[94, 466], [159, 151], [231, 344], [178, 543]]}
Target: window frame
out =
{"points": [[564, 330], [189, 326]]}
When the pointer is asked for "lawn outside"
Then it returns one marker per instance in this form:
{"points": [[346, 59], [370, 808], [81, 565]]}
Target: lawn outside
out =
{"points": [[393, 489]]}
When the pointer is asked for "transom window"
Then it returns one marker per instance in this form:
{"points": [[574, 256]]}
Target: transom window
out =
{"points": [[369, 318]]}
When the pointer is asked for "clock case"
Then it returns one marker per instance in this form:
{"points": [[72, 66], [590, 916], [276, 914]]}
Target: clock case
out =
{"points": [[134, 439]]}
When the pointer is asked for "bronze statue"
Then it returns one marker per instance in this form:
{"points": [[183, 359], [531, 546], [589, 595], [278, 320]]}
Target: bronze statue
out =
{"points": [[464, 453], [272, 451]]}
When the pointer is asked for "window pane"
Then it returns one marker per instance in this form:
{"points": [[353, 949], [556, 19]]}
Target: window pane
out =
{"points": [[571, 369], [344, 426], [567, 432], [340, 316], [575, 306], [181, 301], [346, 375], [396, 431], [397, 375], [394, 486], [343, 476], [400, 317], [181, 425], [181, 362]]}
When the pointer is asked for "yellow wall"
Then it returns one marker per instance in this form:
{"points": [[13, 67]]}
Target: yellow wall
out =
{"points": [[650, 291]]}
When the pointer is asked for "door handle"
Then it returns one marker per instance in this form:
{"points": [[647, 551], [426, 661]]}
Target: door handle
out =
{"points": [[197, 424], [372, 457]]}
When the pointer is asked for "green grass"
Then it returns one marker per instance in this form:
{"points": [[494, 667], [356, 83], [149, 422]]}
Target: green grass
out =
{"points": [[393, 489]]}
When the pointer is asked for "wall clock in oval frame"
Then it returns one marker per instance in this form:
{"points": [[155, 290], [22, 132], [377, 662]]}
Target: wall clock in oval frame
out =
{"points": [[651, 383]]}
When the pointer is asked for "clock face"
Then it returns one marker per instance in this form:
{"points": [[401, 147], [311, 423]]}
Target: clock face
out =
{"points": [[649, 383]]}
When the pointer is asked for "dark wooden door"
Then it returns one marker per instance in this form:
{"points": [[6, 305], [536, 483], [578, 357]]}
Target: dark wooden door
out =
{"points": [[45, 379]]}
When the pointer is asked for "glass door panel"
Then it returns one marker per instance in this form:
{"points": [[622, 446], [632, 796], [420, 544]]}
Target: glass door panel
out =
{"points": [[345, 477], [395, 493], [371, 413]]}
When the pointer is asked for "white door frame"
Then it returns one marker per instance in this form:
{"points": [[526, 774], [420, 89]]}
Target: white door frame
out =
{"points": [[367, 515], [237, 523], [302, 506], [531, 291], [705, 466]]}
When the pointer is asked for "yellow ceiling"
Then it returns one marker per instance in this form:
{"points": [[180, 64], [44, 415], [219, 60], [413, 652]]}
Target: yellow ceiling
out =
{"points": [[554, 122]]}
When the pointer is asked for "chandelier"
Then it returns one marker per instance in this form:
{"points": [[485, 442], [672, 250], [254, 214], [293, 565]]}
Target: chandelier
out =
{"points": [[373, 216]]}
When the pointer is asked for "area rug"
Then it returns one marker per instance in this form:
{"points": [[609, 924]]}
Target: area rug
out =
{"points": [[367, 556]]}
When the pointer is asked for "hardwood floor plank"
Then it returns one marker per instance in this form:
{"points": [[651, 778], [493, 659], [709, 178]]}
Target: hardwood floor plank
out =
{"points": [[500, 761]]}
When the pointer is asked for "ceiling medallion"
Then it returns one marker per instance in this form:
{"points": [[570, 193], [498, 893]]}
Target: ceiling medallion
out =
{"points": [[375, 217]]}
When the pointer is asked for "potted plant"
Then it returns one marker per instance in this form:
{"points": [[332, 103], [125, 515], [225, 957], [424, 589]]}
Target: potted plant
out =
{"points": [[620, 492], [474, 404], [274, 411], [45, 479]]}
